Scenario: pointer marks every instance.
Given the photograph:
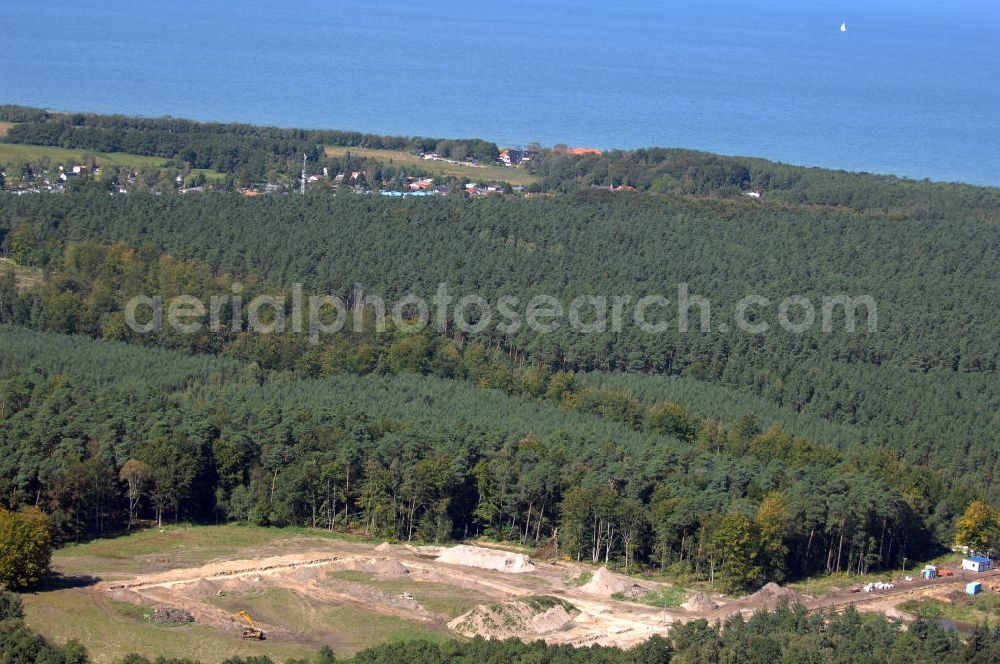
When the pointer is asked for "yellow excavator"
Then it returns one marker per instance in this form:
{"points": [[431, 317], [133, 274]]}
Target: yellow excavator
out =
{"points": [[251, 632]]}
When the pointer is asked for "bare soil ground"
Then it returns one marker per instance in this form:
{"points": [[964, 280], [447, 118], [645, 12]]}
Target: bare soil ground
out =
{"points": [[305, 592]]}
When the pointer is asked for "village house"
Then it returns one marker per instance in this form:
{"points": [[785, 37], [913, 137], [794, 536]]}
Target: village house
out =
{"points": [[72, 172], [421, 185], [511, 157]]}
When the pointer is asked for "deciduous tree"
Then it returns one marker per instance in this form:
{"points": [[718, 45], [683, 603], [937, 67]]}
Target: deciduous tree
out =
{"points": [[25, 547]]}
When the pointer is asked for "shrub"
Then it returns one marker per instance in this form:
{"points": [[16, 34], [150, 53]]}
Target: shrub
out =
{"points": [[11, 606]]}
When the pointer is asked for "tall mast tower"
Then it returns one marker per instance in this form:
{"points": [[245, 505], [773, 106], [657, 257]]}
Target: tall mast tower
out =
{"points": [[303, 188]]}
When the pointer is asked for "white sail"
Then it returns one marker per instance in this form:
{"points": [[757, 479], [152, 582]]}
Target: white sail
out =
{"points": [[843, 26]]}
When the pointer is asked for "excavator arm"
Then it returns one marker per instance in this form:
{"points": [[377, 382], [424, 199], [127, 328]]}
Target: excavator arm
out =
{"points": [[250, 632]]}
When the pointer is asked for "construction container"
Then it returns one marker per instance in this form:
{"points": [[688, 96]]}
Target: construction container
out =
{"points": [[977, 564], [973, 588]]}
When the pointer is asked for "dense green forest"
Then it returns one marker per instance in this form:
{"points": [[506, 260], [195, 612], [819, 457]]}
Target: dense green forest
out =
{"points": [[924, 383], [419, 456], [686, 172], [868, 448], [787, 636]]}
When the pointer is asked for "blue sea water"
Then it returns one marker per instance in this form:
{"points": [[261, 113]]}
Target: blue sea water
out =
{"points": [[912, 88]]}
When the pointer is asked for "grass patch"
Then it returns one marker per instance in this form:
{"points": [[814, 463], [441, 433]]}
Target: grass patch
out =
{"points": [[110, 630], [959, 607], [486, 173], [10, 152], [14, 152], [209, 174], [818, 585], [928, 609], [581, 579], [128, 610], [821, 583], [175, 546], [666, 596], [542, 603]]}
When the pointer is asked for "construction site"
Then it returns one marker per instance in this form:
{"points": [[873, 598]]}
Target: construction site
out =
{"points": [[296, 594]]}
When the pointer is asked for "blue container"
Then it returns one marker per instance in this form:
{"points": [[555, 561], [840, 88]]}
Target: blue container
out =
{"points": [[973, 588]]}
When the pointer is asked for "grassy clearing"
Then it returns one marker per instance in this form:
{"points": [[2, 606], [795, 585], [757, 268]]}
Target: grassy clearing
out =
{"points": [[821, 583], [175, 546], [10, 152], [491, 173], [111, 630], [969, 609], [818, 585], [209, 174], [13, 152], [443, 598], [581, 579]]}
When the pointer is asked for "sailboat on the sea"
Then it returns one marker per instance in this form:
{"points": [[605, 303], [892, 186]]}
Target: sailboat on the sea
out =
{"points": [[843, 26]]}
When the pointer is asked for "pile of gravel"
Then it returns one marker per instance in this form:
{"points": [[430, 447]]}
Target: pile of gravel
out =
{"points": [[635, 591], [171, 616]]}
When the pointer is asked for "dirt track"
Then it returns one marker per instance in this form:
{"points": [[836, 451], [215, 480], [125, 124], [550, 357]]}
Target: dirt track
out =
{"points": [[322, 576]]}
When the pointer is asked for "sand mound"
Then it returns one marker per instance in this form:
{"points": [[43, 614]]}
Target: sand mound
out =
{"points": [[524, 618], [700, 602], [604, 582], [477, 556], [383, 547], [385, 567], [204, 588], [771, 595], [304, 574]]}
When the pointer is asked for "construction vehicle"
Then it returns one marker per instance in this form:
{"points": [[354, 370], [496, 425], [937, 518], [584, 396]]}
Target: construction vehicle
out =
{"points": [[252, 632]]}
